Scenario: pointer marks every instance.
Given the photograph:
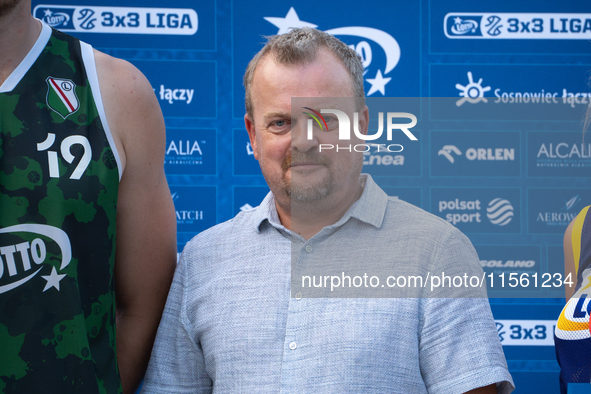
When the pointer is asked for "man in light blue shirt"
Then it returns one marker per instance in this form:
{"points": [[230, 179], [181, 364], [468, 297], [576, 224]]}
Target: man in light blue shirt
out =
{"points": [[234, 321]]}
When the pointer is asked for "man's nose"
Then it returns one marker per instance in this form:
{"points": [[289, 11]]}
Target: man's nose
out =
{"points": [[304, 136]]}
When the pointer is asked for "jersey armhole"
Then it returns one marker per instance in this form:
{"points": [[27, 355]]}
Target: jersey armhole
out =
{"points": [[89, 63], [576, 236]]}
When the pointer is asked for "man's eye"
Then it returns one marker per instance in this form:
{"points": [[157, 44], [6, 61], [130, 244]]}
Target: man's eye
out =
{"points": [[279, 123]]}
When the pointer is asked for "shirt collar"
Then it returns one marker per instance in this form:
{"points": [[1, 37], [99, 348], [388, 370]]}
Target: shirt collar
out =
{"points": [[370, 208]]}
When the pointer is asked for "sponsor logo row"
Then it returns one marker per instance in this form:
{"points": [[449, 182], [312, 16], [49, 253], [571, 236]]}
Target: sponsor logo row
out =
{"points": [[498, 210], [477, 210], [463, 153]]}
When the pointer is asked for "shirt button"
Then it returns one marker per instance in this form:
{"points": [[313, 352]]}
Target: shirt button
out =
{"points": [[298, 296], [308, 248], [293, 346]]}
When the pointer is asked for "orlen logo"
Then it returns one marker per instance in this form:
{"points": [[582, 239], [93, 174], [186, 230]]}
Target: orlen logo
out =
{"points": [[447, 151], [481, 154], [19, 259], [344, 124]]}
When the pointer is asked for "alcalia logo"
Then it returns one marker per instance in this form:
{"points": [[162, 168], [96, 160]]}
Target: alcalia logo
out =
{"points": [[480, 154], [344, 127], [183, 148]]}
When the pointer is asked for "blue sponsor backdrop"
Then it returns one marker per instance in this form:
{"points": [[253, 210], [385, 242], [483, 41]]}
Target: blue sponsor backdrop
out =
{"points": [[511, 189]]}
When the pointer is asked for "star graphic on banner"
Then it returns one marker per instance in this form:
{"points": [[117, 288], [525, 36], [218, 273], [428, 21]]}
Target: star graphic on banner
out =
{"points": [[458, 20], [378, 84], [53, 280], [48, 12], [291, 20]]}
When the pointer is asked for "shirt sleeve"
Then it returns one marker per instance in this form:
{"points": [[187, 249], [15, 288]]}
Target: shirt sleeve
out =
{"points": [[177, 364], [459, 348]]}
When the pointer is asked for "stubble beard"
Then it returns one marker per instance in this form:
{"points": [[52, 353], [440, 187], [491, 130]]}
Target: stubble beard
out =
{"points": [[300, 190], [6, 7]]}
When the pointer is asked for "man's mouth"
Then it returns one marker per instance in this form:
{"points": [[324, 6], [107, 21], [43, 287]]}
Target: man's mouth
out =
{"points": [[304, 161], [306, 164]]}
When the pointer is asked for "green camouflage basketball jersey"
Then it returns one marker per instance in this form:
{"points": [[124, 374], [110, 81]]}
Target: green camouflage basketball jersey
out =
{"points": [[59, 179]]}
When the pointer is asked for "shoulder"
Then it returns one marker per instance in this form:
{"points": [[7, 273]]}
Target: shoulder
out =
{"points": [[575, 229], [131, 107], [411, 218], [119, 74], [123, 84], [227, 236], [433, 239]]}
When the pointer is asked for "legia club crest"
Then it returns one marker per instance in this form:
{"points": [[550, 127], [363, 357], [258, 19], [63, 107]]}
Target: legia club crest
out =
{"points": [[61, 96]]}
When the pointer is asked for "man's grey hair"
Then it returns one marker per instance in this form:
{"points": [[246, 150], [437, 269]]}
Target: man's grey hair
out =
{"points": [[299, 47]]}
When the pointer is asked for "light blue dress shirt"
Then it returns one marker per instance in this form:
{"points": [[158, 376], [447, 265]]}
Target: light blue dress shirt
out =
{"points": [[231, 326]]}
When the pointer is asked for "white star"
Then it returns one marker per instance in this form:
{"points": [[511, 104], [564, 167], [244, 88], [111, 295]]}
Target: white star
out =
{"points": [[48, 12], [291, 20], [458, 20], [378, 83], [53, 280]]}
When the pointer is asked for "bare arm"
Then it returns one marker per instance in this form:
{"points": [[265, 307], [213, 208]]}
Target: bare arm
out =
{"points": [[569, 261], [146, 224]]}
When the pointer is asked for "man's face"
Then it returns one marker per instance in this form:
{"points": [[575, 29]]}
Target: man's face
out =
{"points": [[291, 164]]}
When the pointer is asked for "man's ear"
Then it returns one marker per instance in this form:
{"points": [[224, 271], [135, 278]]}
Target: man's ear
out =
{"points": [[251, 134], [364, 120]]}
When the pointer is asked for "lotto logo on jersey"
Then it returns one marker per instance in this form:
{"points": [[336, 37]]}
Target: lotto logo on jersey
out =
{"points": [[40, 246], [573, 323], [126, 20], [61, 96]]}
